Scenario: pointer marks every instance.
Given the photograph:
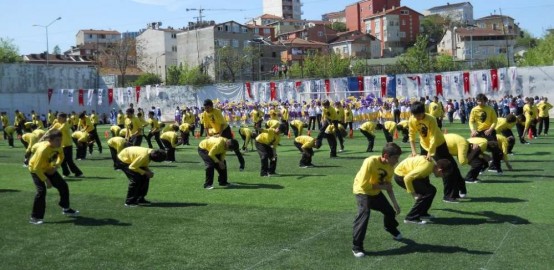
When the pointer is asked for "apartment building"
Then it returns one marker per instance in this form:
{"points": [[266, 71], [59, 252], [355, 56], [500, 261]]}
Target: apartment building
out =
{"points": [[157, 49], [286, 9], [356, 13]]}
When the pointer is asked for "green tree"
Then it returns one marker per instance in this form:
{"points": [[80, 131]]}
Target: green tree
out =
{"points": [[542, 54], [194, 76], [497, 61], [173, 75], [416, 58], [9, 53], [326, 66], [56, 50], [434, 26], [445, 62], [339, 26], [359, 67], [120, 55], [148, 79], [230, 63], [525, 39]]}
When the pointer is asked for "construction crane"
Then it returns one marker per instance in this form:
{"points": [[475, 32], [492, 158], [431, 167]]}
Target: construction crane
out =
{"points": [[201, 10]]}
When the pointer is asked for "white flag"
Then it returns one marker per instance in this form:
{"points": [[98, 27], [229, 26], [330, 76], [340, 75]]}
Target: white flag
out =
{"points": [[100, 94], [70, 96], [89, 97]]}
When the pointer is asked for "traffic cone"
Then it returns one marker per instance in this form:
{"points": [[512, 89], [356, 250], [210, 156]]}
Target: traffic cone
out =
{"points": [[445, 131], [288, 135], [232, 134], [530, 134], [351, 134], [396, 134], [309, 132], [106, 134]]}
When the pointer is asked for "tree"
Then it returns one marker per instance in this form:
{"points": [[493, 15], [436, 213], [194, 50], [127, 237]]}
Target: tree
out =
{"points": [[434, 26], [497, 61], [194, 76], [416, 58], [148, 79], [525, 39], [339, 26], [542, 54], [9, 53], [57, 50], [445, 62], [231, 62], [326, 66], [119, 55], [173, 75]]}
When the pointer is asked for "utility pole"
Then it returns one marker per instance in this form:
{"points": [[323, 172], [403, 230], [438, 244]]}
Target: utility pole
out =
{"points": [[505, 37]]}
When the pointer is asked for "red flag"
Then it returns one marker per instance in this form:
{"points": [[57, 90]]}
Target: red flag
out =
{"points": [[248, 89], [81, 97], [494, 79], [383, 86], [438, 84], [273, 90], [361, 84], [466, 82], [50, 92], [298, 84], [110, 96], [327, 86], [137, 91]]}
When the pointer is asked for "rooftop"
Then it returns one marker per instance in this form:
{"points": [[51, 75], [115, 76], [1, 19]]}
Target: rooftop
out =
{"points": [[448, 5]]}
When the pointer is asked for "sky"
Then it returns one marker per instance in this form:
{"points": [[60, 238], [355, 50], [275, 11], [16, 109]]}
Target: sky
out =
{"points": [[18, 17]]}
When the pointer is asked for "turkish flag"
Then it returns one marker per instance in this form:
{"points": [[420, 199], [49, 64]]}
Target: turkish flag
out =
{"points": [[494, 79], [50, 92], [273, 90], [137, 91], [438, 84], [466, 82], [383, 86], [110, 96], [361, 84], [248, 89], [298, 84], [81, 97], [328, 86]]}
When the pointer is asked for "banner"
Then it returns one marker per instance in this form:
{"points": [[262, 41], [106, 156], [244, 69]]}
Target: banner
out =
{"points": [[137, 91], [494, 79], [70, 95], [272, 91], [466, 82], [383, 86], [438, 84], [327, 87], [110, 96], [391, 86], [50, 92], [81, 97], [90, 94], [148, 88], [100, 94], [248, 89]]}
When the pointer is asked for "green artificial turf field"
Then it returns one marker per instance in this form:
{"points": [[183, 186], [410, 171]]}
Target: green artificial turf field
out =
{"points": [[301, 219]]}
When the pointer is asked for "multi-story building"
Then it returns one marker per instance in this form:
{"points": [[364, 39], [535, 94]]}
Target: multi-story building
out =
{"points": [[265, 19], [287, 9], [314, 32], [333, 17], [356, 44], [396, 28], [263, 31], [92, 42], [357, 12], [199, 46], [474, 44], [157, 49], [461, 13], [502, 23], [297, 49]]}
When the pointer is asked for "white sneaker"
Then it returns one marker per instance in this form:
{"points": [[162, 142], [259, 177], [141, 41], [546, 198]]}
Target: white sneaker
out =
{"points": [[358, 254], [463, 195], [35, 221], [415, 221], [398, 237], [209, 187]]}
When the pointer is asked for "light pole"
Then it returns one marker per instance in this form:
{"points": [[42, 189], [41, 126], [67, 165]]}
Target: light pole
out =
{"points": [[158, 68], [46, 27]]}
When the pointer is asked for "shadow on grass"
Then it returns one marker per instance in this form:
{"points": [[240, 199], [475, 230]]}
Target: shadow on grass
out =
{"points": [[533, 154], [88, 221], [96, 178], [496, 199], [526, 170], [174, 204], [412, 246], [534, 177], [490, 181], [163, 165], [340, 157], [240, 185], [8, 190], [301, 176], [491, 217], [531, 160], [459, 221]]}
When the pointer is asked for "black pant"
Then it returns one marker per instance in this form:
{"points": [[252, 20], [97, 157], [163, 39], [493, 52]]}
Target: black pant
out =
{"points": [[520, 128], [338, 134], [268, 160], [210, 167], [156, 136], [94, 136], [307, 155], [39, 205], [476, 163], [396, 115], [331, 139], [544, 121], [135, 140], [366, 203], [405, 135], [426, 192], [285, 124], [370, 140], [318, 120], [294, 130], [311, 123], [138, 184], [170, 150], [81, 152], [388, 136], [115, 159], [454, 182], [511, 139], [185, 137], [496, 152], [226, 133], [68, 166]]}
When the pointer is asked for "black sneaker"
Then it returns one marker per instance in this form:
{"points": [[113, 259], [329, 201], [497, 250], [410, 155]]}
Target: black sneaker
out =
{"points": [[131, 205], [450, 200], [70, 212], [144, 202]]}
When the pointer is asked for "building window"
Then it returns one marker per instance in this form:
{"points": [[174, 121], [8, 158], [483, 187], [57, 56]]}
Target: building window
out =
{"points": [[345, 49], [320, 33], [267, 31], [102, 36], [90, 36], [404, 12], [403, 22], [256, 31], [174, 48], [235, 43], [173, 35], [402, 34]]}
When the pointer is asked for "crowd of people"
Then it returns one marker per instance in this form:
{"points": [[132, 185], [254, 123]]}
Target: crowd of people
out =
{"points": [[49, 145]]}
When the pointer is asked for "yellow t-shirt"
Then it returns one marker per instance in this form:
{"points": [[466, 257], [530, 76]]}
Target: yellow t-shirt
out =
{"points": [[137, 157], [215, 146], [372, 172], [412, 169], [457, 146], [482, 116], [117, 143], [44, 159], [306, 141], [430, 136]]}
